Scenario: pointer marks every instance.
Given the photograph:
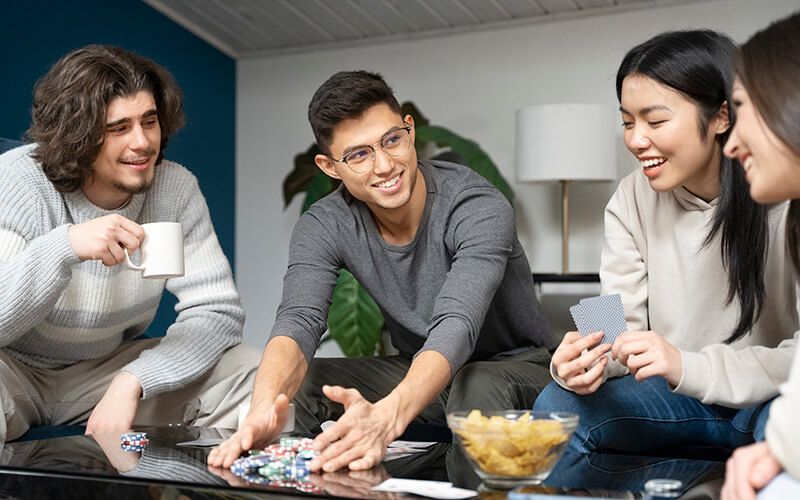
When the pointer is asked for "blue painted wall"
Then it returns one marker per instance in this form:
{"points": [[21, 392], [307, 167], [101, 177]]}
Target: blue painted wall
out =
{"points": [[36, 33]]}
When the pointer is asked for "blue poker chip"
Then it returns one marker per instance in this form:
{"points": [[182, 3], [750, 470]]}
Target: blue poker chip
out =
{"points": [[250, 463], [133, 436], [306, 454], [295, 471], [255, 479], [131, 448]]}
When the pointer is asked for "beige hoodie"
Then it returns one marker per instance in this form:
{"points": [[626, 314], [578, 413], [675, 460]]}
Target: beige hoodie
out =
{"points": [[670, 283]]}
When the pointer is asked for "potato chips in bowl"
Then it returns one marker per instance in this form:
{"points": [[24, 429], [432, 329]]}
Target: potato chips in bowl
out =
{"points": [[512, 447]]}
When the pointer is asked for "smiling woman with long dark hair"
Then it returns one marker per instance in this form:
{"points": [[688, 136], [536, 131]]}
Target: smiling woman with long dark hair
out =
{"points": [[701, 269]]}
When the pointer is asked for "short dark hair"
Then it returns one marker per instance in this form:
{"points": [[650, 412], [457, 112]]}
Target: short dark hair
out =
{"points": [[768, 65], [699, 65], [345, 95], [69, 108]]}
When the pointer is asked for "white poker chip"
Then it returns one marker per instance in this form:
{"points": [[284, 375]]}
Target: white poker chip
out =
{"points": [[663, 487]]}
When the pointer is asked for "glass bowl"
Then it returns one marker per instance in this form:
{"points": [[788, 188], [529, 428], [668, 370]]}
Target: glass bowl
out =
{"points": [[512, 447]]}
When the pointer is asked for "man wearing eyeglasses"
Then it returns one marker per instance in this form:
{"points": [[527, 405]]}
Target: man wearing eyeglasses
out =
{"points": [[435, 245]]}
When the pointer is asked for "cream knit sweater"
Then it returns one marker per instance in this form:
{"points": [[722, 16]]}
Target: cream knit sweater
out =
{"points": [[56, 310]]}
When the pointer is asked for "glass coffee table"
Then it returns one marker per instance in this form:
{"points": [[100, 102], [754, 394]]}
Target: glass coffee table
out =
{"points": [[96, 467]]}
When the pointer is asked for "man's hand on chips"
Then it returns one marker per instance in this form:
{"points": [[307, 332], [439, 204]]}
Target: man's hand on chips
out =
{"points": [[258, 430], [359, 438]]}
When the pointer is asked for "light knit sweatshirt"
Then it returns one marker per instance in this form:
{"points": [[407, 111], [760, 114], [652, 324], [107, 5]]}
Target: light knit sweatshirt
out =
{"points": [[654, 257], [782, 429], [56, 310]]}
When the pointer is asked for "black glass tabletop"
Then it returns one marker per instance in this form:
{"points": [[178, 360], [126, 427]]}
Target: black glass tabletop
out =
{"points": [[171, 466]]}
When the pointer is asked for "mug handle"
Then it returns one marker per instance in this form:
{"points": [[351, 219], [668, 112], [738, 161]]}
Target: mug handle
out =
{"points": [[130, 264]]}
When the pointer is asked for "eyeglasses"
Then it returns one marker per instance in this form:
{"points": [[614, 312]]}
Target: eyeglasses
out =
{"points": [[395, 143]]}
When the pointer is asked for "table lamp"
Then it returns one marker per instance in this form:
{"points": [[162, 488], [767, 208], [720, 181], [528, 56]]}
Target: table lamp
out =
{"points": [[565, 143]]}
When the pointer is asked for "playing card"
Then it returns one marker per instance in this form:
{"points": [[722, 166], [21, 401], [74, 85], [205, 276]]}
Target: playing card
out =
{"points": [[604, 313], [577, 317]]}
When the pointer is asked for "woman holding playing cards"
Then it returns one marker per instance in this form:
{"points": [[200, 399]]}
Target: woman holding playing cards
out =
{"points": [[703, 272], [766, 140]]}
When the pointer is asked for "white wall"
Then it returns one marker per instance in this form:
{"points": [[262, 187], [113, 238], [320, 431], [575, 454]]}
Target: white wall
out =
{"points": [[471, 83]]}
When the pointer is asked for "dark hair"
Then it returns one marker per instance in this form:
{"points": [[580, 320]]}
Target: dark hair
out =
{"points": [[70, 101], [698, 64], [345, 95], [769, 67]]}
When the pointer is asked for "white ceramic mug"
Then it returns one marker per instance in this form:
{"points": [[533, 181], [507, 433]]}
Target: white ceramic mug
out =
{"points": [[161, 250]]}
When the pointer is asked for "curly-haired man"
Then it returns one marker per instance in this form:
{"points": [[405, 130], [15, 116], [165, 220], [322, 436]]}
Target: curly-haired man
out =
{"points": [[71, 204]]}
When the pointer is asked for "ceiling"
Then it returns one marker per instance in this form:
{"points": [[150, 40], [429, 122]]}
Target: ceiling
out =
{"points": [[255, 28]]}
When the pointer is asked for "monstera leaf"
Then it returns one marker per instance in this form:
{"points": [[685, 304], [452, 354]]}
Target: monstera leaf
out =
{"points": [[355, 322], [472, 155], [307, 177]]}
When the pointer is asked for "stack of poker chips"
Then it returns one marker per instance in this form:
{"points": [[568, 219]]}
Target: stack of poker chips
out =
{"points": [[134, 441], [284, 465]]}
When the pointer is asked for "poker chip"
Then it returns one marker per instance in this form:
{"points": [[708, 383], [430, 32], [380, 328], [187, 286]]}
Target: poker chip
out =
{"points": [[289, 442], [271, 468], [255, 479], [294, 471], [666, 488], [284, 464], [126, 447], [308, 488], [134, 436], [250, 464], [307, 454], [139, 442]]}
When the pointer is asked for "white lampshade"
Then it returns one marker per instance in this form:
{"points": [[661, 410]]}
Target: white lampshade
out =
{"points": [[566, 142]]}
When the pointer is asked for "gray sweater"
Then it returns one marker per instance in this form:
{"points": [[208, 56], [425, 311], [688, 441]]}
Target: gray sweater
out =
{"points": [[463, 287], [56, 310]]}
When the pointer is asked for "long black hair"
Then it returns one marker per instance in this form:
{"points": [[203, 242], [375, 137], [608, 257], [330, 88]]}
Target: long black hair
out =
{"points": [[698, 64], [769, 67]]}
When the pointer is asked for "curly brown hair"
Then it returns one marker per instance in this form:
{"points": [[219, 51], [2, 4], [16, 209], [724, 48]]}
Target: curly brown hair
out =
{"points": [[69, 108]]}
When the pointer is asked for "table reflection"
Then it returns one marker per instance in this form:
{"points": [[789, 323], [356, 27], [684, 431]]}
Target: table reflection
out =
{"points": [[600, 475]]}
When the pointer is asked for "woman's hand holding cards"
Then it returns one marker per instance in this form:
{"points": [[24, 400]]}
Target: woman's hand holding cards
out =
{"points": [[647, 354], [576, 361]]}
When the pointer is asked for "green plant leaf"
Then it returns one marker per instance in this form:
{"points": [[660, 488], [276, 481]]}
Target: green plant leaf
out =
{"points": [[474, 157], [354, 319], [319, 187], [299, 179], [409, 108]]}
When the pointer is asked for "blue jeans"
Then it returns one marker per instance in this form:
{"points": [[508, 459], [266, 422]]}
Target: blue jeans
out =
{"points": [[634, 417]]}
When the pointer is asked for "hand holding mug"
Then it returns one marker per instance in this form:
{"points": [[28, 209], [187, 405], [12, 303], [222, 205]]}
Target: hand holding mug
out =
{"points": [[105, 238], [161, 251]]}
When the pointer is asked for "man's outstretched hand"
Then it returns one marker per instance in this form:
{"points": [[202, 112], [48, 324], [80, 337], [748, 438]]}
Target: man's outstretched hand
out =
{"points": [[259, 428], [359, 438]]}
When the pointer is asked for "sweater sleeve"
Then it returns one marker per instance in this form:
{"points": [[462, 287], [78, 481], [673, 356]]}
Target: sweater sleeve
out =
{"points": [[308, 285], [782, 429], [210, 315], [35, 266], [736, 378], [481, 233]]}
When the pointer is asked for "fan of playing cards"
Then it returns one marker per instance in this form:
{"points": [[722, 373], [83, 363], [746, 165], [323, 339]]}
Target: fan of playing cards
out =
{"points": [[600, 314]]}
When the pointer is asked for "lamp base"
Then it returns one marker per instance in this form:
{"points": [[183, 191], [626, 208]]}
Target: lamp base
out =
{"points": [[565, 226]]}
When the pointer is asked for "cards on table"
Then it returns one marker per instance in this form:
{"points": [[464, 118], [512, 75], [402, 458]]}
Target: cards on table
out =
{"points": [[600, 314]]}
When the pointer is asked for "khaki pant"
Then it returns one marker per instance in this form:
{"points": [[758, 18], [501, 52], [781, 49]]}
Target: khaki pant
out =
{"points": [[32, 397]]}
